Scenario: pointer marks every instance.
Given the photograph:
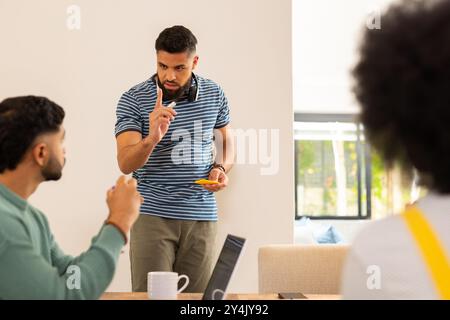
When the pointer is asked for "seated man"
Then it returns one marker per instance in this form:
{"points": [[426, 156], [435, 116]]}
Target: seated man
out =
{"points": [[403, 87], [32, 266]]}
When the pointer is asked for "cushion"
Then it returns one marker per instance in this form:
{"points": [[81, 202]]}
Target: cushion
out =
{"points": [[308, 231], [331, 235], [303, 232]]}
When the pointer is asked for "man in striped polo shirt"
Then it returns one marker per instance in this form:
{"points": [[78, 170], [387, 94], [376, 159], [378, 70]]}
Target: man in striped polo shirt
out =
{"points": [[167, 149]]}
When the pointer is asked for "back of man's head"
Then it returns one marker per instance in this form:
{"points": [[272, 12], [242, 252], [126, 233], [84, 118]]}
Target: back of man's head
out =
{"points": [[22, 119], [403, 87], [176, 39]]}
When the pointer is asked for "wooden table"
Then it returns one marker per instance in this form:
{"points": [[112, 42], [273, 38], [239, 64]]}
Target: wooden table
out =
{"points": [[198, 296]]}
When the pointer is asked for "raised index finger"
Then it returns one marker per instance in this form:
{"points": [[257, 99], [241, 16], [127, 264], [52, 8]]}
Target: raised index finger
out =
{"points": [[159, 97], [122, 179]]}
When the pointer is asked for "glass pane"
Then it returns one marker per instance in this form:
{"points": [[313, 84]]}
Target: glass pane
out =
{"points": [[327, 174], [327, 169]]}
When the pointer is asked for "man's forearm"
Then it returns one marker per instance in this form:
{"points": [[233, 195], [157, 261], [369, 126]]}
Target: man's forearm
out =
{"points": [[87, 276], [134, 157], [226, 154], [226, 165]]}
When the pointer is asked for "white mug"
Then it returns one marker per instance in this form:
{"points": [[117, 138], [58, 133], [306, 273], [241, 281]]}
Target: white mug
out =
{"points": [[163, 285]]}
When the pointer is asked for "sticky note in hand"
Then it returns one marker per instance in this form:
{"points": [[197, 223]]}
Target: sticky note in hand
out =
{"points": [[205, 181]]}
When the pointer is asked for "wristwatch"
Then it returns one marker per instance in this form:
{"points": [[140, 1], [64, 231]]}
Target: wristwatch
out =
{"points": [[221, 167]]}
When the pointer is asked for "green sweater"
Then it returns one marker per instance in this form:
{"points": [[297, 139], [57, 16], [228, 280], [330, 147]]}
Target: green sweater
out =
{"points": [[32, 266]]}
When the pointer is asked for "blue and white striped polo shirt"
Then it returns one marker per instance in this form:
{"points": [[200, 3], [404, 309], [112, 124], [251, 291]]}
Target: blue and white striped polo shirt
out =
{"points": [[184, 155]]}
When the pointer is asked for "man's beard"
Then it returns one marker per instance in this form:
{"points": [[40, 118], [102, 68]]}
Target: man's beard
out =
{"points": [[53, 170], [170, 95]]}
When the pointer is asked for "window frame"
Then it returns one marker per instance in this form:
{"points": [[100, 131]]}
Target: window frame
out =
{"points": [[362, 152]]}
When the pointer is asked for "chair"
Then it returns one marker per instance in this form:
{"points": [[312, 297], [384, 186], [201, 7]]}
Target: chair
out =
{"points": [[310, 269]]}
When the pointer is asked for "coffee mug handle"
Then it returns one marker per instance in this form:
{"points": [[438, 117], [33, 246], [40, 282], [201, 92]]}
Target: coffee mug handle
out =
{"points": [[185, 283]]}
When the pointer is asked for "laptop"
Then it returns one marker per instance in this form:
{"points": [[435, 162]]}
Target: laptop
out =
{"points": [[224, 268]]}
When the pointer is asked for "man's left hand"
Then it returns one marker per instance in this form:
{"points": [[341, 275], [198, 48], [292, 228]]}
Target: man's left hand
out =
{"points": [[217, 174]]}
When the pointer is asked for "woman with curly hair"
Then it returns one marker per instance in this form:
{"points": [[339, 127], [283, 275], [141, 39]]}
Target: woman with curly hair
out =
{"points": [[403, 88]]}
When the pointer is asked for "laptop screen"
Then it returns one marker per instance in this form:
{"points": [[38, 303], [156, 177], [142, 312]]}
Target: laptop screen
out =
{"points": [[226, 263]]}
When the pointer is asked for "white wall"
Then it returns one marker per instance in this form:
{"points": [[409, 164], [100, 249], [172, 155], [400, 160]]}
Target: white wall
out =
{"points": [[243, 45], [325, 38]]}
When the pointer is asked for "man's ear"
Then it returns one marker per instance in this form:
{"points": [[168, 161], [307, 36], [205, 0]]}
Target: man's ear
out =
{"points": [[40, 153], [194, 62]]}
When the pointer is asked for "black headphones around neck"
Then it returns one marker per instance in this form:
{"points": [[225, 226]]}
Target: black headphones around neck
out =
{"points": [[192, 92]]}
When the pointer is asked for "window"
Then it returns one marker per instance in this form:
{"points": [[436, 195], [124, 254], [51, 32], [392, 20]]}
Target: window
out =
{"points": [[331, 168], [338, 176]]}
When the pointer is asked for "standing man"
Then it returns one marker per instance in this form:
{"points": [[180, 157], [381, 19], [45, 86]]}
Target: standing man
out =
{"points": [[167, 149]]}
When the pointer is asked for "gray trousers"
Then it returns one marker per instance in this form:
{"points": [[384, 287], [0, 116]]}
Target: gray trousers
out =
{"points": [[182, 246]]}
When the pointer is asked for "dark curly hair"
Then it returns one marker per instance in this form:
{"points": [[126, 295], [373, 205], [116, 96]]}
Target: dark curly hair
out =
{"points": [[402, 82], [176, 39], [22, 119]]}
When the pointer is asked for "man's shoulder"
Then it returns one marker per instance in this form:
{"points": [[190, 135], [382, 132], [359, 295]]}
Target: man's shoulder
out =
{"points": [[9, 214], [208, 84], [12, 225], [138, 95], [140, 88], [384, 235], [39, 215]]}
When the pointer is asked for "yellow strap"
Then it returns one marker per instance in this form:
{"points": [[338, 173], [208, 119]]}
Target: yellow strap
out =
{"points": [[431, 249]]}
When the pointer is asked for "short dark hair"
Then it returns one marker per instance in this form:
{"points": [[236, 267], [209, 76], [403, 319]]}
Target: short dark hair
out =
{"points": [[22, 119], [176, 39], [403, 87]]}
